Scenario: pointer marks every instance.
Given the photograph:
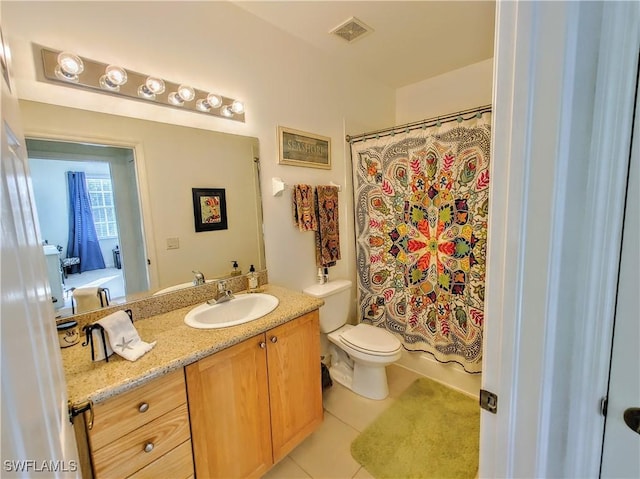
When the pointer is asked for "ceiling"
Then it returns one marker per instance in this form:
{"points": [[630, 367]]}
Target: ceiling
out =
{"points": [[411, 41]]}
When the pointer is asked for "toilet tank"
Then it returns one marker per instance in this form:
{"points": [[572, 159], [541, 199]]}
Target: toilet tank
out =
{"points": [[337, 296]]}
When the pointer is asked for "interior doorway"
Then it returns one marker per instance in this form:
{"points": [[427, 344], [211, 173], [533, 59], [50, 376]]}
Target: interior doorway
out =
{"points": [[112, 189]]}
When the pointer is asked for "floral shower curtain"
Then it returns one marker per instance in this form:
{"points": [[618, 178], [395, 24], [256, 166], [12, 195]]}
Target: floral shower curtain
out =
{"points": [[421, 205]]}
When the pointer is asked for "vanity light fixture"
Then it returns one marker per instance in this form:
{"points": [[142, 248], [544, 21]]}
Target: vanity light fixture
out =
{"points": [[66, 68]]}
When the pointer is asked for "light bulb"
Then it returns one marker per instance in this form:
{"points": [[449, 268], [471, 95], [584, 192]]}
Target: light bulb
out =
{"points": [[202, 105], [226, 111], [186, 92], [116, 75], [175, 99], [237, 106], [155, 85], [113, 78], [211, 101], [214, 100], [152, 86], [69, 67]]}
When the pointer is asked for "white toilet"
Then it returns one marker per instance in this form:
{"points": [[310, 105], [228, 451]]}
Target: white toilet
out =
{"points": [[359, 353]]}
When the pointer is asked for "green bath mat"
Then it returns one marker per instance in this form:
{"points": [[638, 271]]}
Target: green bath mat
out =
{"points": [[430, 431]]}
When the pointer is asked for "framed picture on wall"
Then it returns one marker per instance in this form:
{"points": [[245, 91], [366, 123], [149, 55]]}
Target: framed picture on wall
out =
{"points": [[209, 209], [299, 148]]}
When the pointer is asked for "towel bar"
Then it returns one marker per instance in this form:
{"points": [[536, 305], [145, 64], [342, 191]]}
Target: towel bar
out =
{"points": [[278, 185]]}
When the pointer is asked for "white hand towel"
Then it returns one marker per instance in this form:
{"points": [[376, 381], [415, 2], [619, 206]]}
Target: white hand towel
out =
{"points": [[123, 337], [98, 349], [87, 299]]}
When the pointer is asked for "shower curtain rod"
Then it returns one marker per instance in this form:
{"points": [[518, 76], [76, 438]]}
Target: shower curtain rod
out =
{"points": [[436, 120]]}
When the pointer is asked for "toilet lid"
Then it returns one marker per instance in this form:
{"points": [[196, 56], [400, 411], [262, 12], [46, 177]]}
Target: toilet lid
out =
{"points": [[370, 339]]}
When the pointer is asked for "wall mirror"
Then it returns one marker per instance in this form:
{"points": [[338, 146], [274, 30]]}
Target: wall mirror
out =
{"points": [[142, 174]]}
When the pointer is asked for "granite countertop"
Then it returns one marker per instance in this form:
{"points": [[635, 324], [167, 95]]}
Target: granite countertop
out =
{"points": [[177, 345]]}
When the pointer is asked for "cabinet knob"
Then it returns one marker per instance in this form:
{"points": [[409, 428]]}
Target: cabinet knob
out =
{"points": [[143, 407], [274, 339], [262, 345], [148, 447]]}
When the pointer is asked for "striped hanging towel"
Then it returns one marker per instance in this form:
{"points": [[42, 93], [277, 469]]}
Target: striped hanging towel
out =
{"points": [[327, 234], [304, 208]]}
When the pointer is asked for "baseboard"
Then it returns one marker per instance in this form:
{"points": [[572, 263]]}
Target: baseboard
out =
{"points": [[451, 374]]}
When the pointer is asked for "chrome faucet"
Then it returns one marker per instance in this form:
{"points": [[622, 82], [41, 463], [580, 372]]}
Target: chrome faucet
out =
{"points": [[198, 278], [224, 294]]}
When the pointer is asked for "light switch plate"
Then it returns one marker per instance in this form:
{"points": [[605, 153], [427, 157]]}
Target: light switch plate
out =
{"points": [[173, 243]]}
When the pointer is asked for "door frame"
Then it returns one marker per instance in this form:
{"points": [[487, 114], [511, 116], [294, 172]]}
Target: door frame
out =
{"points": [[564, 76], [144, 201]]}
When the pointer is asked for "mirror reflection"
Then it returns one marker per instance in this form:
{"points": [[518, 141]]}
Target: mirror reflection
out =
{"points": [[138, 177]]}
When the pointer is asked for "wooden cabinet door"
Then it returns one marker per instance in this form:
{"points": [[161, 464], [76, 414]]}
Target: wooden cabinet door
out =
{"points": [[295, 387], [229, 412]]}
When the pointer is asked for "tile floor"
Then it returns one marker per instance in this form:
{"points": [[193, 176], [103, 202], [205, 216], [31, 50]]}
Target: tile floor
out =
{"points": [[326, 453]]}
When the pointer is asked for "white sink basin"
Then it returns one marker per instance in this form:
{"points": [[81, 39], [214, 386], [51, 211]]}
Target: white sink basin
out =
{"points": [[241, 309], [176, 287]]}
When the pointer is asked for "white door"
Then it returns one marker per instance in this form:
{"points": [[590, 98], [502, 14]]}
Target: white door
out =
{"points": [[37, 437], [621, 448]]}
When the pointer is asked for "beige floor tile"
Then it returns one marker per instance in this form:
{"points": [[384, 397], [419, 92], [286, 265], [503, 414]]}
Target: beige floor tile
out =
{"points": [[352, 409], [327, 452], [399, 379], [357, 411], [286, 469], [363, 474]]}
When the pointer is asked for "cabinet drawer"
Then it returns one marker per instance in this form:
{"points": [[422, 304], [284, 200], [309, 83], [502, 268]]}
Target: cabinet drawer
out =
{"points": [[127, 455], [176, 464], [128, 411]]}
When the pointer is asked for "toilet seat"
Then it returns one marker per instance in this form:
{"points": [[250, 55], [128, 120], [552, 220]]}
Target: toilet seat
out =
{"points": [[371, 340]]}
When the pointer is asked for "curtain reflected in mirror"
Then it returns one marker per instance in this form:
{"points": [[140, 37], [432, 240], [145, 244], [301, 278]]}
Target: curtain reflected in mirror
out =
{"points": [[83, 242]]}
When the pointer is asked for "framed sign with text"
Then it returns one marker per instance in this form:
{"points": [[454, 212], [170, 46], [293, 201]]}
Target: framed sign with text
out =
{"points": [[299, 148]]}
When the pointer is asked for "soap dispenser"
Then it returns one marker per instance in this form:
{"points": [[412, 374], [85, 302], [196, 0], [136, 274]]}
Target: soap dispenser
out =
{"points": [[236, 270], [253, 279]]}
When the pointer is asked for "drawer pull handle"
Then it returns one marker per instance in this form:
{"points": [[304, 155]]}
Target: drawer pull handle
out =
{"points": [[262, 345], [148, 447], [143, 407], [274, 339]]}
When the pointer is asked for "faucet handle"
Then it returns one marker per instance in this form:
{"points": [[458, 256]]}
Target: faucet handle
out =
{"points": [[198, 278], [222, 286]]}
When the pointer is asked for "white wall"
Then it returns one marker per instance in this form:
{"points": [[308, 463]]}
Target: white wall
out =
{"points": [[450, 92], [461, 89], [49, 179], [282, 82]]}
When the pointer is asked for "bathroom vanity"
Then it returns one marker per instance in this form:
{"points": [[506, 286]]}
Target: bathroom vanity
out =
{"points": [[227, 402], [252, 403]]}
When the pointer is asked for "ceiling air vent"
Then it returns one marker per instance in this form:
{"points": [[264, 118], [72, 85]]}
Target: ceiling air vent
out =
{"points": [[352, 29]]}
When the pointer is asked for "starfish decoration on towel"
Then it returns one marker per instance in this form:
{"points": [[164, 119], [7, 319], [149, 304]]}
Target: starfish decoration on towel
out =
{"points": [[125, 344]]}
